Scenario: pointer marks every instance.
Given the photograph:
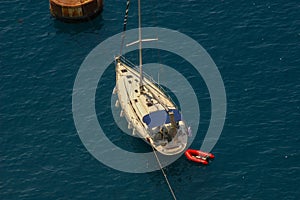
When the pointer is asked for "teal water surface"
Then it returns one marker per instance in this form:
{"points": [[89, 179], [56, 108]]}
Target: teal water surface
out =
{"points": [[256, 46]]}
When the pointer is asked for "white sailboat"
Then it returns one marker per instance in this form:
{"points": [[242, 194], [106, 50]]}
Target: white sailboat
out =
{"points": [[149, 111]]}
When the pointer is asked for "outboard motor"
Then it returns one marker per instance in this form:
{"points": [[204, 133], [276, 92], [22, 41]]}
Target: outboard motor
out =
{"points": [[173, 129]]}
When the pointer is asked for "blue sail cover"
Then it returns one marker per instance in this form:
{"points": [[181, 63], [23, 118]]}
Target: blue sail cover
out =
{"points": [[160, 117]]}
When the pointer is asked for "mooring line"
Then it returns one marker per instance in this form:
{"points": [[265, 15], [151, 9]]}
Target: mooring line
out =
{"points": [[162, 170]]}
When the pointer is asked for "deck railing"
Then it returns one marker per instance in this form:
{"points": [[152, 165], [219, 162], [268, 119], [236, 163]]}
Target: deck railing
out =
{"points": [[150, 78]]}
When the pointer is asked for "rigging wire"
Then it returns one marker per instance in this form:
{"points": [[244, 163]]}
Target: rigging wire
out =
{"points": [[163, 171], [124, 26], [122, 44], [155, 24]]}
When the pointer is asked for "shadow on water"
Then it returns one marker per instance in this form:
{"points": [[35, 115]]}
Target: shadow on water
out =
{"points": [[90, 26], [84, 35]]}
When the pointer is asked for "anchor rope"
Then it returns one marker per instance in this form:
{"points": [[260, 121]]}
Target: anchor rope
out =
{"points": [[163, 172]]}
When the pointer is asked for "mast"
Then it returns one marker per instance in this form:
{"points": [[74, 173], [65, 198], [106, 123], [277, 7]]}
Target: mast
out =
{"points": [[140, 45]]}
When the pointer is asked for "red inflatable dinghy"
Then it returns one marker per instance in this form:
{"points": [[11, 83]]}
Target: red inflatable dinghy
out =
{"points": [[198, 156]]}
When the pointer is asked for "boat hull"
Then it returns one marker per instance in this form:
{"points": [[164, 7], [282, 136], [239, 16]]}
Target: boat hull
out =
{"points": [[137, 105]]}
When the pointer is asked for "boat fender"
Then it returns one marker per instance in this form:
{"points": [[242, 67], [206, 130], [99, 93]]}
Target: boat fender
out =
{"points": [[115, 90], [129, 126]]}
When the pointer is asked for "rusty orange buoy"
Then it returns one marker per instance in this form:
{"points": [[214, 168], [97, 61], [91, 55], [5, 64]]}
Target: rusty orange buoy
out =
{"points": [[75, 10]]}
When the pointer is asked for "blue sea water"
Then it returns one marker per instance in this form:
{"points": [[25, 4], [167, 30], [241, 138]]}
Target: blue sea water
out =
{"points": [[256, 46]]}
